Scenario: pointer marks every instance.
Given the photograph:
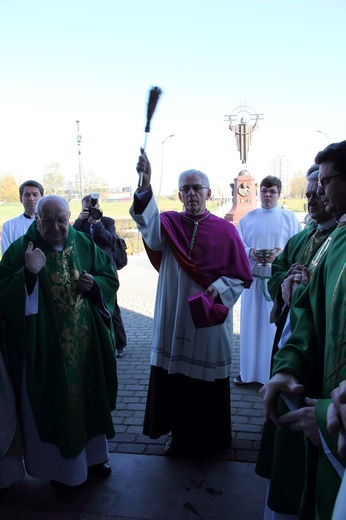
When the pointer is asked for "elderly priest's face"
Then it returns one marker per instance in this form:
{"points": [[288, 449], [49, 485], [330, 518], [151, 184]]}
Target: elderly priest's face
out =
{"points": [[193, 194], [53, 220]]}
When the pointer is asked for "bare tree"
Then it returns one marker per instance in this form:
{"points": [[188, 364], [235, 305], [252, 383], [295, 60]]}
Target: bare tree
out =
{"points": [[53, 181], [298, 186]]}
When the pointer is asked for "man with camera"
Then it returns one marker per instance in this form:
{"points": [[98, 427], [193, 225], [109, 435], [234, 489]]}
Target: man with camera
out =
{"points": [[102, 230]]}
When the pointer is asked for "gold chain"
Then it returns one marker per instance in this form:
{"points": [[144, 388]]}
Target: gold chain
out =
{"points": [[194, 232]]}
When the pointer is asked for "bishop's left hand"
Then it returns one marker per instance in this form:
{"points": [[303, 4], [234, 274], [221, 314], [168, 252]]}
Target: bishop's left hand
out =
{"points": [[211, 291]]}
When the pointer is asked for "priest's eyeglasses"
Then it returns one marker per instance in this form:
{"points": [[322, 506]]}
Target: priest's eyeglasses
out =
{"points": [[194, 187], [48, 222], [322, 182]]}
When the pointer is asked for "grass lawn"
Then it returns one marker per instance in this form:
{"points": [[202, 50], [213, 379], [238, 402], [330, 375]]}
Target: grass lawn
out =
{"points": [[120, 212], [116, 210]]}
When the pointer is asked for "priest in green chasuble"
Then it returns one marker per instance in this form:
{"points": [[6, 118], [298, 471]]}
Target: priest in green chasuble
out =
{"points": [[58, 292], [281, 455], [311, 364]]}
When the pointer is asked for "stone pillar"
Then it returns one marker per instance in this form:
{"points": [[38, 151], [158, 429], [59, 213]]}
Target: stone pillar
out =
{"points": [[244, 197]]}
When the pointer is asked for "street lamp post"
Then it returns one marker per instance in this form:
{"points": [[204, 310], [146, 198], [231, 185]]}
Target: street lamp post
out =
{"points": [[326, 135], [162, 143], [79, 139]]}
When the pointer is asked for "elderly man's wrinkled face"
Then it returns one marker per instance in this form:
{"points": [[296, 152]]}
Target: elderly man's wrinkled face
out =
{"points": [[332, 189], [194, 194], [316, 208], [53, 223]]}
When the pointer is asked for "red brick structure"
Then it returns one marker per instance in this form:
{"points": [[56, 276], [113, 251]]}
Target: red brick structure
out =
{"points": [[244, 197]]}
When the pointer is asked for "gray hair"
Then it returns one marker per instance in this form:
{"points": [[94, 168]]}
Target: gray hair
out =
{"points": [[187, 173], [50, 198], [313, 176], [311, 170]]}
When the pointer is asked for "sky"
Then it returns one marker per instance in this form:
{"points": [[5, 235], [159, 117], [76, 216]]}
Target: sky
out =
{"points": [[94, 61]]}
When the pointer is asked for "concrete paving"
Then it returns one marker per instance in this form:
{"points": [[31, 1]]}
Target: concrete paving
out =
{"points": [[144, 484]]}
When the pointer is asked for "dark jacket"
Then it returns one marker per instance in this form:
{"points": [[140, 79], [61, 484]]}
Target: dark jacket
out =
{"points": [[105, 235]]}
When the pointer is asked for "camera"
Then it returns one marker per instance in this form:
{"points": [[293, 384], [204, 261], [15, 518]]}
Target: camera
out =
{"points": [[94, 212]]}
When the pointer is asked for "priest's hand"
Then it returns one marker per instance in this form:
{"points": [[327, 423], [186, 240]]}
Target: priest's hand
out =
{"points": [[336, 417], [304, 420], [85, 282], [290, 284], [295, 268], [282, 382], [143, 168], [35, 259], [213, 291]]}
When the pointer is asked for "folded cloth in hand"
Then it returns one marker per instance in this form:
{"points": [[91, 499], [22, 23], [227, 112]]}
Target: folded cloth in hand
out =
{"points": [[206, 313]]}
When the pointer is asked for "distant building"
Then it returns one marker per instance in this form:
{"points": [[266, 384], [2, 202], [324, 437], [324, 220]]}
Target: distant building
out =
{"points": [[279, 167], [107, 193], [117, 194]]}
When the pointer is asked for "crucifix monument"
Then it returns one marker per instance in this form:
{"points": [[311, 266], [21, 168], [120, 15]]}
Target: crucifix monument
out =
{"points": [[243, 122]]}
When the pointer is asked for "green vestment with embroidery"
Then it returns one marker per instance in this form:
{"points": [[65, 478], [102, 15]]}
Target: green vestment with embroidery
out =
{"points": [[282, 453], [316, 354], [68, 346]]}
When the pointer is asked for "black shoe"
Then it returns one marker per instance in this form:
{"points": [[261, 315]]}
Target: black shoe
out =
{"points": [[4, 491], [168, 449], [172, 450], [121, 352], [101, 470]]}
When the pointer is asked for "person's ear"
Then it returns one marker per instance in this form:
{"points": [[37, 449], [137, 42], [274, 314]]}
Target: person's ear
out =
{"points": [[179, 195]]}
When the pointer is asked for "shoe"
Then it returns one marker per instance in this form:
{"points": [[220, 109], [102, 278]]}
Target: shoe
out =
{"points": [[168, 449], [172, 450], [238, 380], [4, 491], [121, 352], [101, 470]]}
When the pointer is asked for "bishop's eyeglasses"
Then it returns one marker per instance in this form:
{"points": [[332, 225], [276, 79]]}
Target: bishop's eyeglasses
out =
{"points": [[194, 187]]}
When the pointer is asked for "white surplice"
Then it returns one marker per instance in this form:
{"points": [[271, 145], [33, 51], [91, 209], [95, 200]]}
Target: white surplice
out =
{"points": [[263, 229], [178, 346], [13, 229], [11, 465]]}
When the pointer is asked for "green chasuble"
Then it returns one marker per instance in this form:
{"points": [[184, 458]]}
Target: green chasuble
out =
{"points": [[300, 248], [291, 254], [68, 346], [282, 453], [316, 354]]}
